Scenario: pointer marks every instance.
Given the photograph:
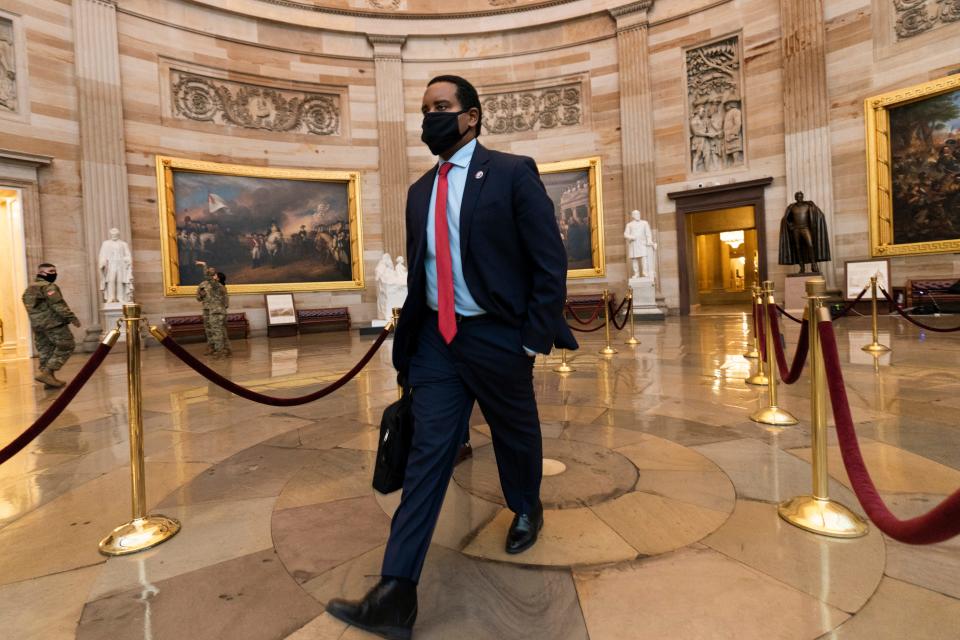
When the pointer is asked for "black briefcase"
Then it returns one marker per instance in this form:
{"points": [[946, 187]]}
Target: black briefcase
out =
{"points": [[396, 433]]}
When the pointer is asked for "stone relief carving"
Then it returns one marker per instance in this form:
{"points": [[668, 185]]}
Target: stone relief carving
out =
{"points": [[715, 103], [8, 67], [502, 3], [205, 99], [384, 4], [914, 17], [533, 109]]}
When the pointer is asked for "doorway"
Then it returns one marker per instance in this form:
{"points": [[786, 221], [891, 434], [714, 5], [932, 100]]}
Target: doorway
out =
{"points": [[14, 324], [724, 258]]}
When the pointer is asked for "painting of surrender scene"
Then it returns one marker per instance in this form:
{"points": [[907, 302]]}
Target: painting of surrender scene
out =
{"points": [[266, 229], [573, 186]]}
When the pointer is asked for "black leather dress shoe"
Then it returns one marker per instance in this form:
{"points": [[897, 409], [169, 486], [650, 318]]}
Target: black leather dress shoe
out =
{"points": [[524, 531], [388, 610]]}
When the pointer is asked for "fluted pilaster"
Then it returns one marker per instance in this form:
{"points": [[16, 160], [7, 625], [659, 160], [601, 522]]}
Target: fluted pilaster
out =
{"points": [[392, 140], [807, 112], [636, 111], [103, 168]]}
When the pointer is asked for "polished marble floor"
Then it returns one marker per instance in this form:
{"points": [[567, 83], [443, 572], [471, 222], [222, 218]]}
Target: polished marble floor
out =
{"points": [[663, 524]]}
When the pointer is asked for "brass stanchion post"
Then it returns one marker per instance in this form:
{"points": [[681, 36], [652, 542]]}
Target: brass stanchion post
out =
{"points": [[564, 366], [607, 350], [817, 512], [771, 414], [632, 340], [759, 379], [755, 351], [144, 531], [875, 346], [396, 319]]}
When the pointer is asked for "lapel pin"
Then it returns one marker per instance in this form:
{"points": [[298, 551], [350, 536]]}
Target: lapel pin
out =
{"points": [[478, 175]]}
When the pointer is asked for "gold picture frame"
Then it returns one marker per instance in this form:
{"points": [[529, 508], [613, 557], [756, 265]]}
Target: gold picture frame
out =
{"points": [[572, 186], [904, 133], [259, 256]]}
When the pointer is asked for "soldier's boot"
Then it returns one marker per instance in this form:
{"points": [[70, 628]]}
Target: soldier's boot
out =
{"points": [[227, 353], [48, 379]]}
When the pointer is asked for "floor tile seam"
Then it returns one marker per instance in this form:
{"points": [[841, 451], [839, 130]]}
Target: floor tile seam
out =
{"points": [[910, 582], [637, 552], [845, 482], [333, 568], [54, 573]]}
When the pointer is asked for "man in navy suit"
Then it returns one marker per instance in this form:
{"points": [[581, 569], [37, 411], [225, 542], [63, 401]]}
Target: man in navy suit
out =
{"points": [[486, 290]]}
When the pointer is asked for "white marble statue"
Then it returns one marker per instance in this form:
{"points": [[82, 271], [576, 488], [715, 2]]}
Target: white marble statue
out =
{"points": [[116, 269], [641, 248], [391, 285]]}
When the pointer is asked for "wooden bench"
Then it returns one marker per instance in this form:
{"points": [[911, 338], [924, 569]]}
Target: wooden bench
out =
{"points": [[584, 304], [189, 327], [932, 291], [318, 320]]}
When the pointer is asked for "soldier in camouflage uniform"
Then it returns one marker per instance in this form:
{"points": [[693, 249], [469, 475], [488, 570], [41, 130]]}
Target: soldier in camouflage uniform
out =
{"points": [[213, 294], [49, 317]]}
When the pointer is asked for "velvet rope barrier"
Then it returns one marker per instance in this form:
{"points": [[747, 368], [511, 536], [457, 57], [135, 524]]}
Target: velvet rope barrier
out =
{"points": [[850, 305], [790, 374], [900, 310], [939, 524], [787, 314], [236, 389], [582, 330], [627, 302], [66, 396], [594, 315]]}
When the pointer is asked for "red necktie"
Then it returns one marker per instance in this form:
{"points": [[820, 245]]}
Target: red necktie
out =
{"points": [[446, 314]]}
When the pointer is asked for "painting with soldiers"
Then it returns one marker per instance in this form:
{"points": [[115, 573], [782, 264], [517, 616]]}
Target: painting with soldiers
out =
{"points": [[262, 230], [925, 169]]}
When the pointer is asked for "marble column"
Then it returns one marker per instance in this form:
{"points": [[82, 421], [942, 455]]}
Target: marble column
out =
{"points": [[392, 140], [636, 114], [807, 114], [103, 169]]}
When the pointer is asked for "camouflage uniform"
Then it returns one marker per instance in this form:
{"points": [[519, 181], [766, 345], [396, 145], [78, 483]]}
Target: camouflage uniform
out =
{"points": [[49, 317], [215, 301]]}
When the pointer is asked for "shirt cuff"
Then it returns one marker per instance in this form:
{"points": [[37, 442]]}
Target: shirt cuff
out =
{"points": [[530, 352]]}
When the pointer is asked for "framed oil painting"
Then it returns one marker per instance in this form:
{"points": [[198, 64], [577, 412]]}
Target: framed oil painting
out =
{"points": [[913, 169], [574, 186], [267, 229]]}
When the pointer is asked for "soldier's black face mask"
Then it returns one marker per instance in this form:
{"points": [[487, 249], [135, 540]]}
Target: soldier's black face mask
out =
{"points": [[441, 130], [49, 277]]}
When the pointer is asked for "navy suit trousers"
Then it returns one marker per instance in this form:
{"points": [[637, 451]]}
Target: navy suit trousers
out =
{"points": [[485, 363]]}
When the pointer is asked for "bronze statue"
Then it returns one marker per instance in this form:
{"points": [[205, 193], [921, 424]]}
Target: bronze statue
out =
{"points": [[803, 235]]}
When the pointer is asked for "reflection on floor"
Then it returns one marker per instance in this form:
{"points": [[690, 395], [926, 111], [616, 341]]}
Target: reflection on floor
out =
{"points": [[663, 524]]}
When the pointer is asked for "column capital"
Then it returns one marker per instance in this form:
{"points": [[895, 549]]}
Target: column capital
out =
{"points": [[386, 47], [632, 15]]}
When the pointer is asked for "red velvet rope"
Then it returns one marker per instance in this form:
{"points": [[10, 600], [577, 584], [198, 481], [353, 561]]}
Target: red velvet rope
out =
{"points": [[787, 314], [593, 316], [850, 305], [56, 408], [907, 317], [581, 330], [790, 374], [628, 302], [249, 394], [941, 523]]}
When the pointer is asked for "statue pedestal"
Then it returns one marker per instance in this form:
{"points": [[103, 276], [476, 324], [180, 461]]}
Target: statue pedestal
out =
{"points": [[795, 292], [645, 299], [110, 312]]}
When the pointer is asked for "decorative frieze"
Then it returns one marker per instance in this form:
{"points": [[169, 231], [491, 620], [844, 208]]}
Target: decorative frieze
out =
{"points": [[715, 106], [8, 67], [914, 17], [533, 109], [227, 102]]}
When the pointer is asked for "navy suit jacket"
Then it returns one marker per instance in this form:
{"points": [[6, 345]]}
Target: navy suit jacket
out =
{"points": [[514, 261]]}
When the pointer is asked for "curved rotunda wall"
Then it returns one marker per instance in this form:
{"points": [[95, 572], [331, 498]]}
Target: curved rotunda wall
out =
{"points": [[579, 46]]}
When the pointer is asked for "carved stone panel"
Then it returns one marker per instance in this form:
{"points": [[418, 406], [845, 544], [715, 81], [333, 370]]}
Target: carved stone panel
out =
{"points": [[9, 101], [532, 109], [227, 102], [715, 106], [914, 17]]}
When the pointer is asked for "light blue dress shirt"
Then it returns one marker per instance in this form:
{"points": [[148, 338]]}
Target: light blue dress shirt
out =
{"points": [[464, 304]]}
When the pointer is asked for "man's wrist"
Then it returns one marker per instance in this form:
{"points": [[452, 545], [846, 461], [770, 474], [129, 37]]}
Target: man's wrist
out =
{"points": [[530, 352]]}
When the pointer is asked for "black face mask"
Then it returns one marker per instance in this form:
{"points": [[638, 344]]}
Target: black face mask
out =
{"points": [[441, 130], [49, 277]]}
